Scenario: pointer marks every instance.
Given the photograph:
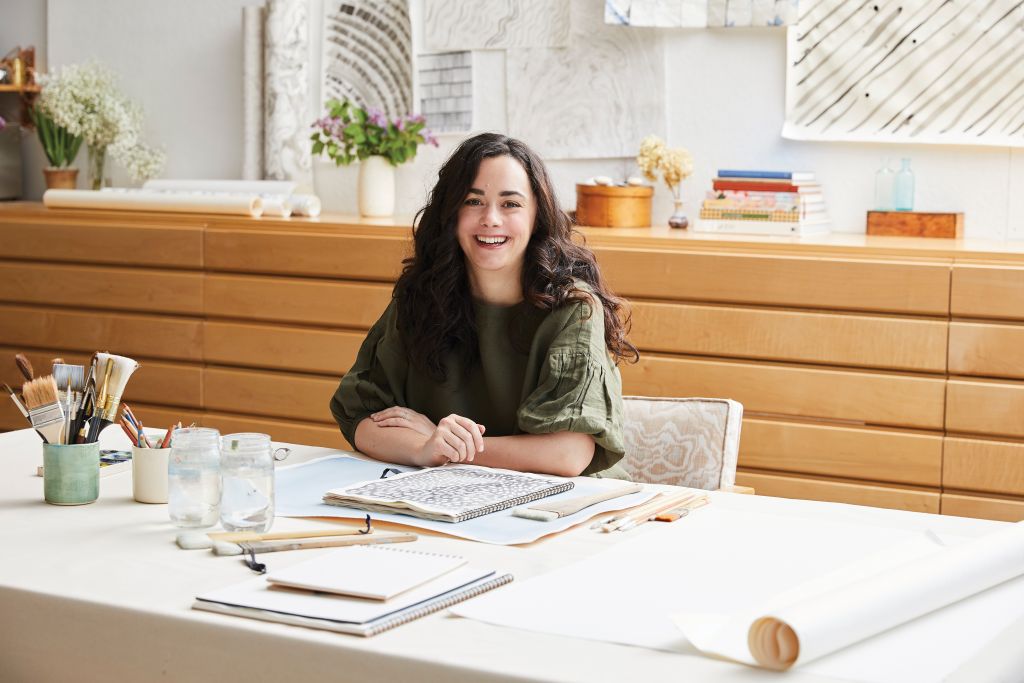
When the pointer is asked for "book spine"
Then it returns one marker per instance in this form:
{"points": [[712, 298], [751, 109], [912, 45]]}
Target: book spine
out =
{"points": [[749, 214], [438, 604], [514, 502], [754, 185], [732, 173]]}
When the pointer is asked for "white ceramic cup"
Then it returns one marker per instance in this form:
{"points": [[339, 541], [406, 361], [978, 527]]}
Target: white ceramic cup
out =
{"points": [[149, 474]]}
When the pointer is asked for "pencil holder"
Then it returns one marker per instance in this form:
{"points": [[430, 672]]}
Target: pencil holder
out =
{"points": [[71, 473], [149, 474]]}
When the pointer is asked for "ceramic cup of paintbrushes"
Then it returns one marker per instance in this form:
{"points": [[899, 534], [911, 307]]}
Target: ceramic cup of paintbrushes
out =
{"points": [[71, 473], [150, 452]]}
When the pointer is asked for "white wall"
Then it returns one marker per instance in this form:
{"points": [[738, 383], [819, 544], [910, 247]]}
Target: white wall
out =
{"points": [[725, 92]]}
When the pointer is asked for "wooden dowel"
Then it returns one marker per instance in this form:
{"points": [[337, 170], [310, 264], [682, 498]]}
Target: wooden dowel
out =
{"points": [[244, 536]]}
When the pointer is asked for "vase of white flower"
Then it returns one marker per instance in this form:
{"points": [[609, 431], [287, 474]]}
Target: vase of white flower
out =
{"points": [[675, 165], [85, 102], [97, 166]]}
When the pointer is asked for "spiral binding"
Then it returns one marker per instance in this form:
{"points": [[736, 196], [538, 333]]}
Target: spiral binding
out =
{"points": [[437, 605], [520, 500]]}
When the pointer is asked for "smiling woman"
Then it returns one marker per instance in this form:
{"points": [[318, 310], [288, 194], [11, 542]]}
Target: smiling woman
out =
{"points": [[501, 344]]}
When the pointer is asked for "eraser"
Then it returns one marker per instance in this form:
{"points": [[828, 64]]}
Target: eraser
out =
{"points": [[225, 548], [536, 515]]}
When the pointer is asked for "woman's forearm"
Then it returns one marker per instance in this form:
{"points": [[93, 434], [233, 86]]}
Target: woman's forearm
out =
{"points": [[564, 454], [390, 444]]}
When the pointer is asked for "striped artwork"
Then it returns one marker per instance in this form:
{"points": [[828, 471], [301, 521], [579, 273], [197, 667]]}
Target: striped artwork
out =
{"points": [[366, 54], [932, 71]]}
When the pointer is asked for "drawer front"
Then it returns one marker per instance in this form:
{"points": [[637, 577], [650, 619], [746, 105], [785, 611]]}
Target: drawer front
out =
{"points": [[987, 466], [987, 291], [840, 492], [271, 394], [872, 398], [986, 349], [981, 507], [297, 349], [294, 300], [976, 407], [847, 452]]}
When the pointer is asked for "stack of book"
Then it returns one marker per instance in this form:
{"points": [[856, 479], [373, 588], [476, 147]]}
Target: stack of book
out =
{"points": [[764, 203]]}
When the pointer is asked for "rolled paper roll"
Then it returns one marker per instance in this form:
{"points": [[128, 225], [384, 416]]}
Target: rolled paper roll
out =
{"points": [[145, 200]]}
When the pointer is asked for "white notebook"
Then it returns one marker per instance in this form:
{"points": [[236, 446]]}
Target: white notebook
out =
{"points": [[258, 599], [367, 571]]}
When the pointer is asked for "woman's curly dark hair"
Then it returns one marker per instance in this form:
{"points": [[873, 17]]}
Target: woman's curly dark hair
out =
{"points": [[435, 307]]}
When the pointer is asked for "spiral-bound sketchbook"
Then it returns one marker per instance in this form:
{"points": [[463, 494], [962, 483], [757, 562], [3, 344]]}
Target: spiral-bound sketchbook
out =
{"points": [[258, 599], [367, 571], [452, 493]]}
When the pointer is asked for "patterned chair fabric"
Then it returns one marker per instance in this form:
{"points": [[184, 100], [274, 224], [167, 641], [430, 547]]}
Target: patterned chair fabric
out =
{"points": [[691, 442]]}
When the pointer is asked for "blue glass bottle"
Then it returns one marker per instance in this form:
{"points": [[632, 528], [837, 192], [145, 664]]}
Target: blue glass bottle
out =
{"points": [[884, 179], [903, 187]]}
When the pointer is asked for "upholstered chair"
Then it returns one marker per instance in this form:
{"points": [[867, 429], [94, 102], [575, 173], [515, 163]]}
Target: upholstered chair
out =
{"points": [[690, 442]]}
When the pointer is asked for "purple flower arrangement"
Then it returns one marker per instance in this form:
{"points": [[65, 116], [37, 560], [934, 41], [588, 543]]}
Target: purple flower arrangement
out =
{"points": [[347, 132]]}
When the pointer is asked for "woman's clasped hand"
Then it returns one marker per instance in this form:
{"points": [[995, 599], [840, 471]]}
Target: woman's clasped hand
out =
{"points": [[454, 439]]}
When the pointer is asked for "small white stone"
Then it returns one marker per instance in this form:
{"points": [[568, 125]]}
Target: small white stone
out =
{"points": [[225, 548], [193, 540], [602, 180], [636, 181]]}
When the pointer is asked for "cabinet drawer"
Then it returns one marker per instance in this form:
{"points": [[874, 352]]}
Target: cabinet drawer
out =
{"points": [[987, 291], [989, 466], [977, 407], [986, 349], [840, 492], [985, 508]]}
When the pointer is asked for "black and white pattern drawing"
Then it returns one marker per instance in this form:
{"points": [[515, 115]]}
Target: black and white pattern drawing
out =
{"points": [[367, 55], [933, 71], [458, 492], [495, 24], [446, 90], [595, 99]]}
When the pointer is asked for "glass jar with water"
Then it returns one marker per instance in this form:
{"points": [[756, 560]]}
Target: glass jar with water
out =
{"points": [[193, 477], [247, 471]]}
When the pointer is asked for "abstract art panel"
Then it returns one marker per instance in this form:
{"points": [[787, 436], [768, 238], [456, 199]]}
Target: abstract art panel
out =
{"points": [[929, 71], [367, 54], [495, 24], [286, 150], [597, 98], [446, 90], [700, 13]]}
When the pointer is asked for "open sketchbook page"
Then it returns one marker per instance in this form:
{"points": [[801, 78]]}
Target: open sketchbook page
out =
{"points": [[451, 493], [368, 571]]}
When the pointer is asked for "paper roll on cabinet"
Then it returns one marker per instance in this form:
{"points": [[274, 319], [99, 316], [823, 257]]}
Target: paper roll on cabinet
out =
{"points": [[879, 371]]}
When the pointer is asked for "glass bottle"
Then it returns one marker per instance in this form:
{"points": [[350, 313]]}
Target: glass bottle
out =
{"points": [[884, 186], [193, 477], [247, 473], [903, 187]]}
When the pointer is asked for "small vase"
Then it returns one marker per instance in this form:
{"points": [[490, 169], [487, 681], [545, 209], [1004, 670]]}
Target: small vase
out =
{"points": [[376, 187], [678, 219], [97, 166], [60, 178]]}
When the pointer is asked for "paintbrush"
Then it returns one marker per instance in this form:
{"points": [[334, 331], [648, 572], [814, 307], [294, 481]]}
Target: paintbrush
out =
{"points": [[17, 401], [44, 408], [24, 366], [118, 370], [227, 548], [73, 378]]}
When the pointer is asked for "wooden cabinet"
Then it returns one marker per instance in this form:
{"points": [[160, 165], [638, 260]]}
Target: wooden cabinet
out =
{"points": [[873, 370]]}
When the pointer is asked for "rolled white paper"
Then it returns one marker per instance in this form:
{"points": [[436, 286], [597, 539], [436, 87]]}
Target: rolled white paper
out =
{"points": [[145, 200]]}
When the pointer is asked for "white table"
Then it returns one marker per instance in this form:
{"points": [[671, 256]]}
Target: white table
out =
{"points": [[100, 592]]}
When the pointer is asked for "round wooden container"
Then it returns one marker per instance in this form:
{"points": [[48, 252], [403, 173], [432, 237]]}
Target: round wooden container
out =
{"points": [[614, 207]]}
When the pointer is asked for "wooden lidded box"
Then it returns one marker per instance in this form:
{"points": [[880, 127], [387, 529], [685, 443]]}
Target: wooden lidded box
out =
{"points": [[612, 206], [916, 224]]}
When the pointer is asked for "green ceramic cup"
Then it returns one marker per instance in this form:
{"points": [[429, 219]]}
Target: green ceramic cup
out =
{"points": [[71, 473]]}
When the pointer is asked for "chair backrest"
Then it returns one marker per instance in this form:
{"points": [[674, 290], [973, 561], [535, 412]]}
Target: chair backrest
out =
{"points": [[691, 442]]}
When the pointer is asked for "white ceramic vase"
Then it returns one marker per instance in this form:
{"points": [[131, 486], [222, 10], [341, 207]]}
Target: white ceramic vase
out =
{"points": [[376, 187]]}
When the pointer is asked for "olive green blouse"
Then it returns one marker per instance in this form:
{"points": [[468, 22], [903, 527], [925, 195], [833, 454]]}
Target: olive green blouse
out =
{"points": [[538, 372]]}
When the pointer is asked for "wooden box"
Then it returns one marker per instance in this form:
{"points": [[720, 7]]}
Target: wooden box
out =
{"points": [[915, 224], [612, 206]]}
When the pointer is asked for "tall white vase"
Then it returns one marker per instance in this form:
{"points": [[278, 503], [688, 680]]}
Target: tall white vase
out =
{"points": [[376, 187]]}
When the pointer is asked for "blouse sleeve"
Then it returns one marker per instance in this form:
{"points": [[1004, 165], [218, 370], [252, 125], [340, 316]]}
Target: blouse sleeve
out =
{"points": [[375, 380], [579, 388]]}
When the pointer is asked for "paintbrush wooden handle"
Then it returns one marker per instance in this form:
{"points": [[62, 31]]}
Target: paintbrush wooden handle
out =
{"points": [[242, 536], [366, 539]]}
